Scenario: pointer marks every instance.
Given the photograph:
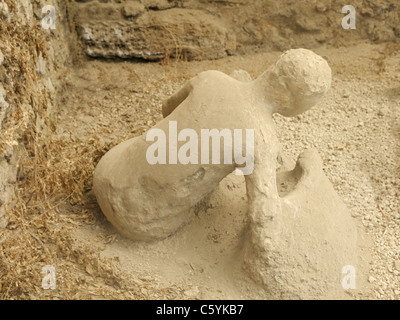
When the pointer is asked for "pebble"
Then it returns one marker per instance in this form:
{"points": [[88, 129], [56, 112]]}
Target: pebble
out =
{"points": [[397, 265], [346, 94], [192, 293]]}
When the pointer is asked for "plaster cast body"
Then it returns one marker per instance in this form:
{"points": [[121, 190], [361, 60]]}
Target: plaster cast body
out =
{"points": [[149, 202]]}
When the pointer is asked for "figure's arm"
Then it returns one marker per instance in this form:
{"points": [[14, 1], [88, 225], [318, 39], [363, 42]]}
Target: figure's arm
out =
{"points": [[263, 197], [264, 214], [175, 100]]}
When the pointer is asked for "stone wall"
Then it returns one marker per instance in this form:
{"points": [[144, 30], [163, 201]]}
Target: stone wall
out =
{"points": [[210, 29], [32, 61]]}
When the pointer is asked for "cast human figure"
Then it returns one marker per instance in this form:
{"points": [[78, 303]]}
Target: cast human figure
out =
{"points": [[149, 202]]}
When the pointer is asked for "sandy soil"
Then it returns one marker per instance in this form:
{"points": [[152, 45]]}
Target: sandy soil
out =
{"points": [[356, 129]]}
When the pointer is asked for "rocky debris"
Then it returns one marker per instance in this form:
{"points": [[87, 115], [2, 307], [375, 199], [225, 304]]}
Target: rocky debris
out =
{"points": [[159, 4], [3, 9], [132, 9], [6, 170], [8, 175], [3, 218], [4, 106], [1, 58]]}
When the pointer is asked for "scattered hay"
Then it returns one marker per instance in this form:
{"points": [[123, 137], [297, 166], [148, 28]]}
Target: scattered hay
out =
{"points": [[52, 170]]}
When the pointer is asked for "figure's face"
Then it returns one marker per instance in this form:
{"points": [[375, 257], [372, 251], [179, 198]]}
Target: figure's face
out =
{"points": [[298, 103]]}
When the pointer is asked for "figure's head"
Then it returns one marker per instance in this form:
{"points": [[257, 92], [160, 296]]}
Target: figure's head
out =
{"points": [[297, 81]]}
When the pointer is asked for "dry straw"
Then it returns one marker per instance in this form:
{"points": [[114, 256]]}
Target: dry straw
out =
{"points": [[53, 172]]}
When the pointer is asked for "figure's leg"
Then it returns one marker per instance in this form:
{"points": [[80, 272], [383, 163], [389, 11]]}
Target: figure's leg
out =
{"points": [[309, 170]]}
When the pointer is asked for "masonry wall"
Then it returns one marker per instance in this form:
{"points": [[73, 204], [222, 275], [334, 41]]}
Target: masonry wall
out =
{"points": [[32, 62], [211, 29]]}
